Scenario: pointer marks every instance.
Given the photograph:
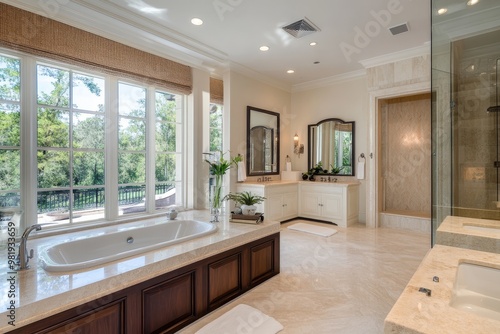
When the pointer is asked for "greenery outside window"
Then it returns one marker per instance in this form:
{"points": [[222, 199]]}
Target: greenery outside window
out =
{"points": [[93, 135], [216, 125]]}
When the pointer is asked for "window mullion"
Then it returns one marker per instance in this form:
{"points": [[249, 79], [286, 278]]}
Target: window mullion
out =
{"points": [[150, 150], [28, 142], [111, 149]]}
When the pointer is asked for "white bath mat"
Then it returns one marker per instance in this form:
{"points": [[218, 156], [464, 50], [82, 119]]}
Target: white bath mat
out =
{"points": [[314, 229], [242, 319]]}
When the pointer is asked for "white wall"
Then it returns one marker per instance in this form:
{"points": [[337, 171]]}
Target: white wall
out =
{"points": [[348, 100], [241, 91]]}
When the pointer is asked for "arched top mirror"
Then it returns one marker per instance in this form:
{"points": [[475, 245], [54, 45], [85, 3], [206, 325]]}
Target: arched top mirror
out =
{"points": [[331, 146], [263, 143]]}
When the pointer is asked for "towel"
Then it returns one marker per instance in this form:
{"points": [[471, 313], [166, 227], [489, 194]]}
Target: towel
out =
{"points": [[313, 229], [242, 174], [242, 319], [361, 170]]}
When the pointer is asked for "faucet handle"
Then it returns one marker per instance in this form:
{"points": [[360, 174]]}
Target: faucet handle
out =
{"points": [[31, 254]]}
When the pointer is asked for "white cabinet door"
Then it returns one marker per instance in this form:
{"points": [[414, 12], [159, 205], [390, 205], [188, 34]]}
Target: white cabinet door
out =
{"points": [[331, 206], [309, 204], [290, 205], [274, 207]]}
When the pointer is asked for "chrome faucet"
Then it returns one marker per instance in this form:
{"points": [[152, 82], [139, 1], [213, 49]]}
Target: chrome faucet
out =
{"points": [[23, 257]]}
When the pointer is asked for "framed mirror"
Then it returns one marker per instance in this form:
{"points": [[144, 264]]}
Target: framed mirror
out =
{"points": [[331, 145], [263, 142]]}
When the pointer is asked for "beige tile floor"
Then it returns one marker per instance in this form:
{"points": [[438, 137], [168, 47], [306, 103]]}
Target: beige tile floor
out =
{"points": [[346, 283]]}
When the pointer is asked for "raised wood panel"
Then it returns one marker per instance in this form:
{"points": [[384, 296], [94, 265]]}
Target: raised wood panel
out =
{"points": [[261, 261], [169, 303], [224, 279], [105, 320]]}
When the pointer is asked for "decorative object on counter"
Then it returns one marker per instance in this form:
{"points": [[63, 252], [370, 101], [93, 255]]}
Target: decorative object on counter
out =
{"points": [[218, 168], [247, 201], [305, 176], [288, 166], [256, 218], [172, 214], [242, 173]]}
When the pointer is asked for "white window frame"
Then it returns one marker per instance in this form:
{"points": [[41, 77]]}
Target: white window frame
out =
{"points": [[28, 187]]}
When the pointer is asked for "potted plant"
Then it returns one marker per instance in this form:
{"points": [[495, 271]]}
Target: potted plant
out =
{"points": [[218, 168], [247, 201]]}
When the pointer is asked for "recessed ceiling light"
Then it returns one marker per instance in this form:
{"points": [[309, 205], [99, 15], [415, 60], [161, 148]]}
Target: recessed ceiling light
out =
{"points": [[472, 2], [312, 43], [196, 21], [290, 71], [441, 11], [264, 48]]}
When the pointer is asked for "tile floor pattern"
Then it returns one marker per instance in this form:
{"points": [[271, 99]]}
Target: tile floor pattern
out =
{"points": [[346, 283]]}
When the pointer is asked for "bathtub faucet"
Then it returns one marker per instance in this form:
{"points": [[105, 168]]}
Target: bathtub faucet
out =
{"points": [[23, 257]]}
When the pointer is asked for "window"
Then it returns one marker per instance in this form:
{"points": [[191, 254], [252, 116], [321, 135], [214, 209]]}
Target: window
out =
{"points": [[215, 127], [70, 144], [10, 136], [75, 121]]}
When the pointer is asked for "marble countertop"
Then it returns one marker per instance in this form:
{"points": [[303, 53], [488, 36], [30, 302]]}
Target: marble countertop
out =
{"points": [[414, 312], [280, 183], [38, 294], [471, 233]]}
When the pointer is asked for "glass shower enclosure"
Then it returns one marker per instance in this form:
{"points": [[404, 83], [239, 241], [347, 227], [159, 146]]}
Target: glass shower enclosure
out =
{"points": [[465, 110]]}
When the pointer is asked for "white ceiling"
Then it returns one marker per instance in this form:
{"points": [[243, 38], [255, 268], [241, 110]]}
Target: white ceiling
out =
{"points": [[233, 31]]}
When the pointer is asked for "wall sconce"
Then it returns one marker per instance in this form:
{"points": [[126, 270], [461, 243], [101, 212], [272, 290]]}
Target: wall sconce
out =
{"points": [[297, 148]]}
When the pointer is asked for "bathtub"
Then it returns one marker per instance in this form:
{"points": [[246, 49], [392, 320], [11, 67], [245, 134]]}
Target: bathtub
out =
{"points": [[96, 250]]}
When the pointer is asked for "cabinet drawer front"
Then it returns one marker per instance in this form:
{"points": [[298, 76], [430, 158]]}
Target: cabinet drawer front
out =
{"points": [[281, 189], [326, 188]]}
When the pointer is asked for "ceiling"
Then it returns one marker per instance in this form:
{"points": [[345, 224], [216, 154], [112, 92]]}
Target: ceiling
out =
{"points": [[233, 30]]}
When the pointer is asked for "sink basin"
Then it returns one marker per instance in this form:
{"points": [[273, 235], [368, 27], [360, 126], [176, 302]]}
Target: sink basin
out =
{"points": [[477, 290], [92, 251]]}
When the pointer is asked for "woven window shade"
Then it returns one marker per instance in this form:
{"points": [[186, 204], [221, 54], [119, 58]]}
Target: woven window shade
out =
{"points": [[40, 36], [216, 91]]}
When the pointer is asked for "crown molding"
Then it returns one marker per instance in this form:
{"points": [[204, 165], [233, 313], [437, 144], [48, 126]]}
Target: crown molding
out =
{"points": [[422, 50], [324, 82]]}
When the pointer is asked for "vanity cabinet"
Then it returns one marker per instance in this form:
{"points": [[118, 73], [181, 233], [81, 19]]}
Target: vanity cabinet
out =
{"points": [[281, 199], [171, 301], [334, 202]]}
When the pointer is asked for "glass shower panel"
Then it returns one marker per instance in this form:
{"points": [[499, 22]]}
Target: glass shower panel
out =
{"points": [[465, 129]]}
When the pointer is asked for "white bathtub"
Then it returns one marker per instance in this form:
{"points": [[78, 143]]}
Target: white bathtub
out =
{"points": [[92, 251]]}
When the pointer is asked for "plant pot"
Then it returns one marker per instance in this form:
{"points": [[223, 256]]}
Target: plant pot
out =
{"points": [[248, 209]]}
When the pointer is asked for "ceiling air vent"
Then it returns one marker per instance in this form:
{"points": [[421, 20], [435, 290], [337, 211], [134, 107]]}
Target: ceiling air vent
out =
{"points": [[399, 29], [301, 28]]}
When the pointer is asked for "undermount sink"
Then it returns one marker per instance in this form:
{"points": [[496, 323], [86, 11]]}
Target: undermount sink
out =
{"points": [[477, 290]]}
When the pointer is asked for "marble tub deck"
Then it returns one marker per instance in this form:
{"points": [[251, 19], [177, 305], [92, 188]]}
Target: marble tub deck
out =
{"points": [[346, 283]]}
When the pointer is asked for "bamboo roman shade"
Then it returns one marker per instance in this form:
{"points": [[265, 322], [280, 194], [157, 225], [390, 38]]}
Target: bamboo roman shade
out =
{"points": [[31, 33], [216, 91]]}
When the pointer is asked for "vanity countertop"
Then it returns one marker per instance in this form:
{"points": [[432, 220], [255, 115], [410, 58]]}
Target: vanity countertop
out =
{"points": [[415, 312], [39, 294], [471, 233], [281, 183]]}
